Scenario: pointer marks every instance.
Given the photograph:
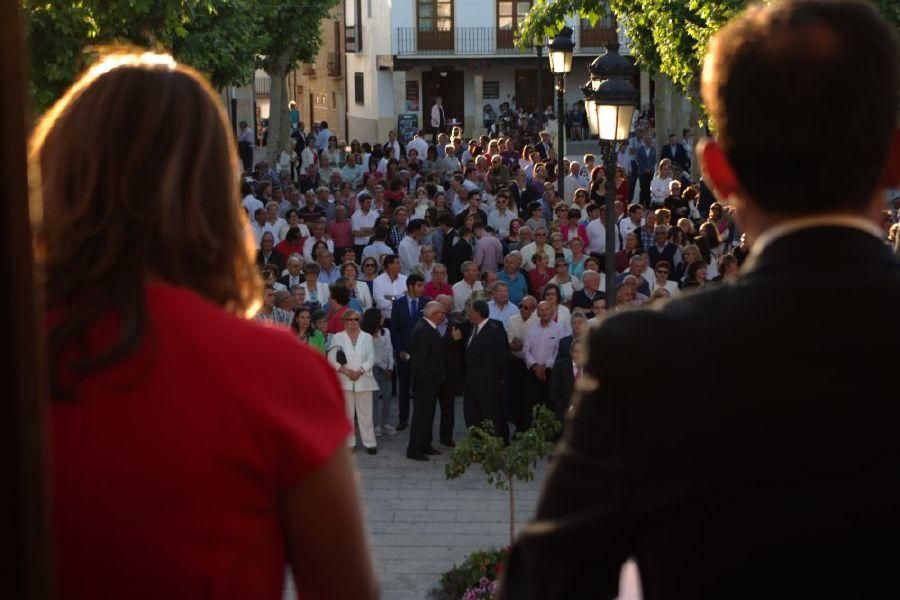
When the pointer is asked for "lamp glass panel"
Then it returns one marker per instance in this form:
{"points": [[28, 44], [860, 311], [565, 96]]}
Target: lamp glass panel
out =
{"points": [[607, 120], [626, 114], [568, 62], [590, 107], [558, 61]]}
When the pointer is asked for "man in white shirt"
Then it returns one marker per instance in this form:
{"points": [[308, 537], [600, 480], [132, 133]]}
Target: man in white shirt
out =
{"points": [[408, 248], [322, 138], [351, 172], [417, 144], [363, 221], [538, 245], [462, 289], [516, 331], [394, 144], [426, 261], [438, 118], [317, 230], [251, 203], [388, 286], [596, 231], [378, 248], [501, 309], [574, 180], [501, 216], [539, 350], [631, 222]]}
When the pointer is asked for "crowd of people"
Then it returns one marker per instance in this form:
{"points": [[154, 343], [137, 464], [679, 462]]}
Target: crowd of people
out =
{"points": [[355, 241]]}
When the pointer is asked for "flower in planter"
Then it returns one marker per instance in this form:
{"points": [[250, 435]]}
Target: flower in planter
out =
{"points": [[484, 590]]}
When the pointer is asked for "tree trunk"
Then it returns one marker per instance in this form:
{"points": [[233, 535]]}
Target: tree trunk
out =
{"points": [[279, 118], [512, 512], [696, 132], [662, 104]]}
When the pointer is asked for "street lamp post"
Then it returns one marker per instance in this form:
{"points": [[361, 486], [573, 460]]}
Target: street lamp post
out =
{"points": [[609, 100], [561, 63], [538, 100]]}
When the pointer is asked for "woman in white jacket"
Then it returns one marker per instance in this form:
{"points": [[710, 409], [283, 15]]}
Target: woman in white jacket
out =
{"points": [[360, 290], [356, 376], [659, 186]]}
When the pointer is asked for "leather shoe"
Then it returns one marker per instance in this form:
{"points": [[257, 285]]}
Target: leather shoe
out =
{"points": [[432, 451], [417, 456], [449, 444], [402, 425], [372, 450]]}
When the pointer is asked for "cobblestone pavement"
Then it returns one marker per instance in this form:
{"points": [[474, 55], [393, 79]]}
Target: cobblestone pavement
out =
{"points": [[420, 523]]}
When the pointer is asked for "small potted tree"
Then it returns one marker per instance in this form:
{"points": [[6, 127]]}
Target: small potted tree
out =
{"points": [[503, 465]]}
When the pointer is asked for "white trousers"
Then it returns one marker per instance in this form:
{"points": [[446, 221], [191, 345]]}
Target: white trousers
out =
{"points": [[359, 404]]}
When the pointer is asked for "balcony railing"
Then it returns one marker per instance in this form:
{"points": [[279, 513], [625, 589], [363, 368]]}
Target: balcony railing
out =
{"points": [[262, 86], [334, 64], [595, 38], [462, 41], [484, 41]]}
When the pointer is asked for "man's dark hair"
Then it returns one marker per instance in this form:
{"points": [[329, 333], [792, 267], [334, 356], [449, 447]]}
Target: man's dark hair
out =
{"points": [[311, 268], [446, 218], [246, 188], [388, 260], [413, 279], [323, 125], [481, 307], [340, 293], [414, 226], [811, 86], [381, 232]]}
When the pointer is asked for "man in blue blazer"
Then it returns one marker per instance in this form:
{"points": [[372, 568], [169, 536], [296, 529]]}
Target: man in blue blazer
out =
{"points": [[405, 313]]}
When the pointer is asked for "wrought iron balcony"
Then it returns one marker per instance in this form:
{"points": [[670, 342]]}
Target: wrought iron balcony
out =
{"points": [[487, 41], [262, 86], [334, 64]]}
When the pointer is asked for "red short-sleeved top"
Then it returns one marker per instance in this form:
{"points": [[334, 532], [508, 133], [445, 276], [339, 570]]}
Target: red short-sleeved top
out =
{"points": [[168, 466]]}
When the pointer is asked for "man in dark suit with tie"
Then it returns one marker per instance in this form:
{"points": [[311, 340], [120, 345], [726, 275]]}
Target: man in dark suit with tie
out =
{"points": [[646, 166], [777, 476], [487, 356], [675, 152], [453, 338], [428, 373], [405, 313]]}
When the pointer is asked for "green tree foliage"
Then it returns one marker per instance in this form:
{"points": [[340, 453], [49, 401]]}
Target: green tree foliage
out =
{"points": [[668, 36], [225, 39], [504, 464], [289, 34]]}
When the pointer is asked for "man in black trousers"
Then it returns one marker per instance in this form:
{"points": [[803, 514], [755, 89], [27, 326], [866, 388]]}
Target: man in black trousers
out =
{"points": [[776, 477], [487, 357], [405, 313], [428, 373], [452, 337]]}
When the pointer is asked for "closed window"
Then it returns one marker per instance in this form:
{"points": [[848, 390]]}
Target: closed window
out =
{"points": [[359, 92], [435, 15]]}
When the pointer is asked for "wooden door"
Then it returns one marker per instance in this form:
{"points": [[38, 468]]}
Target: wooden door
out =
{"points": [[450, 87], [527, 86]]}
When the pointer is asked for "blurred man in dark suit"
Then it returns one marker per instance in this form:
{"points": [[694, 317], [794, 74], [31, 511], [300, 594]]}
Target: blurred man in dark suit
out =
{"points": [[676, 152], [454, 349], [776, 477], [405, 313], [428, 373], [487, 357]]}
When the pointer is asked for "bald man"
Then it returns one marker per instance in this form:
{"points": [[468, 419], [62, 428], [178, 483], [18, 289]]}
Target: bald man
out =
{"points": [[428, 357]]}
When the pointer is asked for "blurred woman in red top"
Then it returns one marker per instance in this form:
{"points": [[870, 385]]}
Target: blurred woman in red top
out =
{"points": [[187, 462]]}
